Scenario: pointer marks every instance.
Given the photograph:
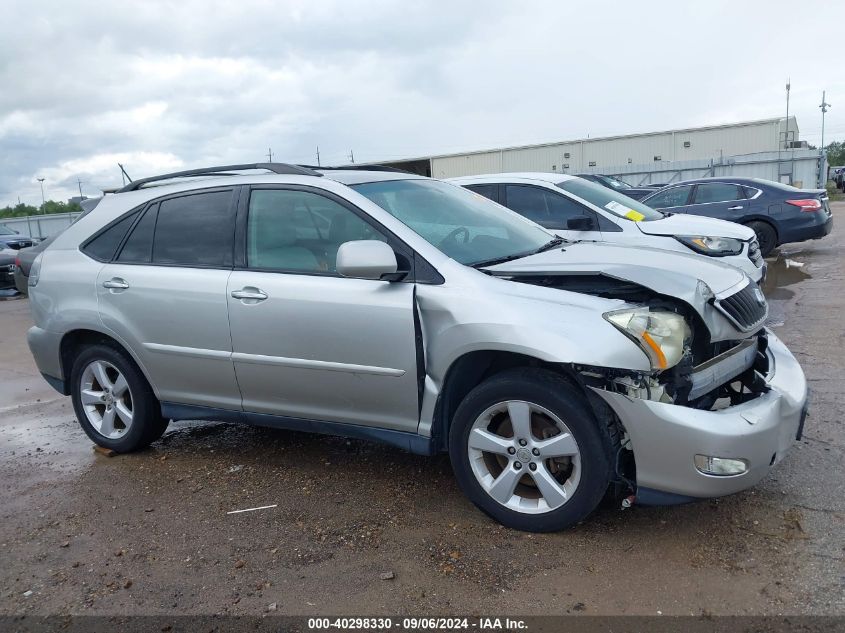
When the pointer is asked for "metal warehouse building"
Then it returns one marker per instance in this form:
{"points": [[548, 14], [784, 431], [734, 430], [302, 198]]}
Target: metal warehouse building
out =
{"points": [[612, 152]]}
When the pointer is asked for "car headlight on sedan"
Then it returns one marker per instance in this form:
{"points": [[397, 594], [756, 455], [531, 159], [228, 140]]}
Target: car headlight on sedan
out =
{"points": [[713, 246], [661, 335]]}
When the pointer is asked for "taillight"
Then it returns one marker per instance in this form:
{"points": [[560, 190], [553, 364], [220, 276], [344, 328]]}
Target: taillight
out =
{"points": [[809, 205]]}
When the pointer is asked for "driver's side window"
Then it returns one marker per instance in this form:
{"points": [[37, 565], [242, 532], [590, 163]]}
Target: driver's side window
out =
{"points": [[300, 231], [546, 208]]}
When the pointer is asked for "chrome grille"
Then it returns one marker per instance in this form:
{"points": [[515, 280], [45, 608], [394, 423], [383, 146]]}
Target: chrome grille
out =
{"points": [[746, 309], [754, 253]]}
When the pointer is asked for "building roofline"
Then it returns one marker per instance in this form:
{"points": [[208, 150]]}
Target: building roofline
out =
{"points": [[580, 140]]}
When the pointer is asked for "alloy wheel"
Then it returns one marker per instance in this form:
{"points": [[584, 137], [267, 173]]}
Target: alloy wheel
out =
{"points": [[106, 399], [524, 457]]}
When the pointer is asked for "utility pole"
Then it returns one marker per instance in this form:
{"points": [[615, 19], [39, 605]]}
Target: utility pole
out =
{"points": [[351, 156], [270, 154], [823, 158], [41, 182], [79, 183], [786, 129], [824, 106], [318, 156]]}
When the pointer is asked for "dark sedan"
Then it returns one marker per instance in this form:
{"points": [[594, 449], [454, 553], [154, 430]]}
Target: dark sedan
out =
{"points": [[778, 213], [612, 182], [11, 239]]}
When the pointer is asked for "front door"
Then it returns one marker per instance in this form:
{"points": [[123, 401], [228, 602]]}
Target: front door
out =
{"points": [[306, 342], [551, 210]]}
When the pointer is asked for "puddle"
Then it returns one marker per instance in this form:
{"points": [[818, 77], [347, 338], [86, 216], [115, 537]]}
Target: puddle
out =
{"points": [[787, 269]]}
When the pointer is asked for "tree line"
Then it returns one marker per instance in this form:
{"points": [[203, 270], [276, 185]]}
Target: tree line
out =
{"points": [[49, 207]]}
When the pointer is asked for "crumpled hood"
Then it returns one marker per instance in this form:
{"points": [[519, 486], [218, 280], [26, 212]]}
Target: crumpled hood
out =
{"points": [[683, 224], [667, 272]]}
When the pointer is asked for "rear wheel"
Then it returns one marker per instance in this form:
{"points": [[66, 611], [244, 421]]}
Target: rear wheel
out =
{"points": [[113, 401], [766, 236], [528, 451]]}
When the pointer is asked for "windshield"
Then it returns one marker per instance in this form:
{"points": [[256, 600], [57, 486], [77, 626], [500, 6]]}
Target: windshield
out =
{"points": [[5, 230], [464, 225], [616, 183], [616, 203]]}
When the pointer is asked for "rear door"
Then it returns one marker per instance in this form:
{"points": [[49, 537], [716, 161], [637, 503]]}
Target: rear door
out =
{"points": [[724, 201], [551, 210], [164, 294], [308, 343]]}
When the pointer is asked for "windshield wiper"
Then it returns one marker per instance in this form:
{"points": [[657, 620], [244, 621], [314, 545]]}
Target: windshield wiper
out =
{"points": [[508, 258]]}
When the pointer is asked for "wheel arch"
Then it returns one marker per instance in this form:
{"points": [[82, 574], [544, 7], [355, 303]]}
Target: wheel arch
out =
{"points": [[79, 338], [472, 368]]}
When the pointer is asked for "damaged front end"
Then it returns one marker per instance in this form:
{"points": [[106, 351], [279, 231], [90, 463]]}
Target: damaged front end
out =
{"points": [[714, 413]]}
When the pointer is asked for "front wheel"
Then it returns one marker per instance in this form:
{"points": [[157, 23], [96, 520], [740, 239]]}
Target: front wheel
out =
{"points": [[527, 449], [113, 401]]}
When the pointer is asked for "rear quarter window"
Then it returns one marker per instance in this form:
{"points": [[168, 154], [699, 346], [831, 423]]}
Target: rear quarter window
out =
{"points": [[103, 245]]}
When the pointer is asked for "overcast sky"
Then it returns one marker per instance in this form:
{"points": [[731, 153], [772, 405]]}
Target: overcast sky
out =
{"points": [[160, 86]]}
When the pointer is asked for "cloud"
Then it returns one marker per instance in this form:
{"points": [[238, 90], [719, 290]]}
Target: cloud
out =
{"points": [[158, 85]]}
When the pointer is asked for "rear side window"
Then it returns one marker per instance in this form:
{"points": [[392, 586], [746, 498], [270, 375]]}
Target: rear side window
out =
{"points": [[195, 230], [105, 244], [716, 192], [138, 247], [491, 192], [674, 197]]}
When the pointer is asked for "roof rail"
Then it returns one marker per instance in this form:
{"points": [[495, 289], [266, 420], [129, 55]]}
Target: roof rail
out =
{"points": [[357, 168], [276, 168]]}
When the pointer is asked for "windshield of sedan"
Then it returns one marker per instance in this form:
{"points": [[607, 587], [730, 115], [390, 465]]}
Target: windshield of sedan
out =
{"points": [[616, 183], [5, 230], [464, 225], [616, 203]]}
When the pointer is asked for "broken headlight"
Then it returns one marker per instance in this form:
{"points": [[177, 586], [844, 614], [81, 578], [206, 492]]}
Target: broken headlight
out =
{"points": [[660, 335], [714, 246]]}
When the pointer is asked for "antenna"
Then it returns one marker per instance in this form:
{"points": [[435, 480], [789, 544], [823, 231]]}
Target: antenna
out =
{"points": [[351, 156], [123, 174], [318, 156], [270, 154], [79, 183]]}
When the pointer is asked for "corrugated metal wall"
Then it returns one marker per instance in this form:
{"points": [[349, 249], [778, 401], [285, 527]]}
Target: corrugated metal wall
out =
{"points": [[40, 225], [599, 154]]}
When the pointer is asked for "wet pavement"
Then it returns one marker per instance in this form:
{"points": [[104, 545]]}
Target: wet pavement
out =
{"points": [[152, 533]]}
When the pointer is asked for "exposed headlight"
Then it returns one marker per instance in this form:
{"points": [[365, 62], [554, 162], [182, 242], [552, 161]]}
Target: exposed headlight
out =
{"points": [[660, 335], [713, 246]]}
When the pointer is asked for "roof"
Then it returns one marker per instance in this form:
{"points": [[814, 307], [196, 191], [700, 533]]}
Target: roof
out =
{"points": [[543, 176], [360, 176]]}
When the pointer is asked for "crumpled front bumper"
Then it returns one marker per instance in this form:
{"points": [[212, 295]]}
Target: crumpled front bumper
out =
{"points": [[665, 438]]}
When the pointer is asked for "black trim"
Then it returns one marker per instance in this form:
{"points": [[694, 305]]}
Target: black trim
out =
{"points": [[411, 442], [276, 168], [651, 497], [56, 383], [420, 353]]}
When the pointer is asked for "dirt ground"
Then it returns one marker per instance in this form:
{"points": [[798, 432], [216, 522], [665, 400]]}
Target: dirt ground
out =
{"points": [[360, 528]]}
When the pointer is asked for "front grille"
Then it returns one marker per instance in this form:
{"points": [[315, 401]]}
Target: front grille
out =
{"points": [[754, 253], [19, 244], [7, 268], [746, 309]]}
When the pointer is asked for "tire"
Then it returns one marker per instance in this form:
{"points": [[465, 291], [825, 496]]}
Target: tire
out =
{"points": [[99, 394], [766, 236], [535, 505]]}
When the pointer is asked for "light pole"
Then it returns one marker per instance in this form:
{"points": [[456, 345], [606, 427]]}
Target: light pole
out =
{"points": [[41, 182], [786, 132], [824, 106]]}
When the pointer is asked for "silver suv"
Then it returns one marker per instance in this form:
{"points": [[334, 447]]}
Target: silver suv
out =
{"points": [[387, 306]]}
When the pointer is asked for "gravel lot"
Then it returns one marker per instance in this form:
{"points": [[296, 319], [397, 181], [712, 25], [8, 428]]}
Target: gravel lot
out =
{"points": [[366, 529]]}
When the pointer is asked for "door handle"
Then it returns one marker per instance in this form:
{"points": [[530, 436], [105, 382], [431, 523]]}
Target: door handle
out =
{"points": [[115, 283], [249, 293], [736, 208]]}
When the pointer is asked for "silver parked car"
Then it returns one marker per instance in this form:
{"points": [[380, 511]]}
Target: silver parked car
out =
{"points": [[382, 305]]}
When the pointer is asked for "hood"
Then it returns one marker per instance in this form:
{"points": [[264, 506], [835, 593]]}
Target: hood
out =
{"points": [[668, 273], [683, 224]]}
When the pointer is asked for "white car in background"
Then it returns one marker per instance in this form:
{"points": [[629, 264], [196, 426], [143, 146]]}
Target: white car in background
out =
{"points": [[577, 209]]}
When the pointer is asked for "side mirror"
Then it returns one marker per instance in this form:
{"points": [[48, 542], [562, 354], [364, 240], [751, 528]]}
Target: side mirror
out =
{"points": [[366, 259], [581, 223]]}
